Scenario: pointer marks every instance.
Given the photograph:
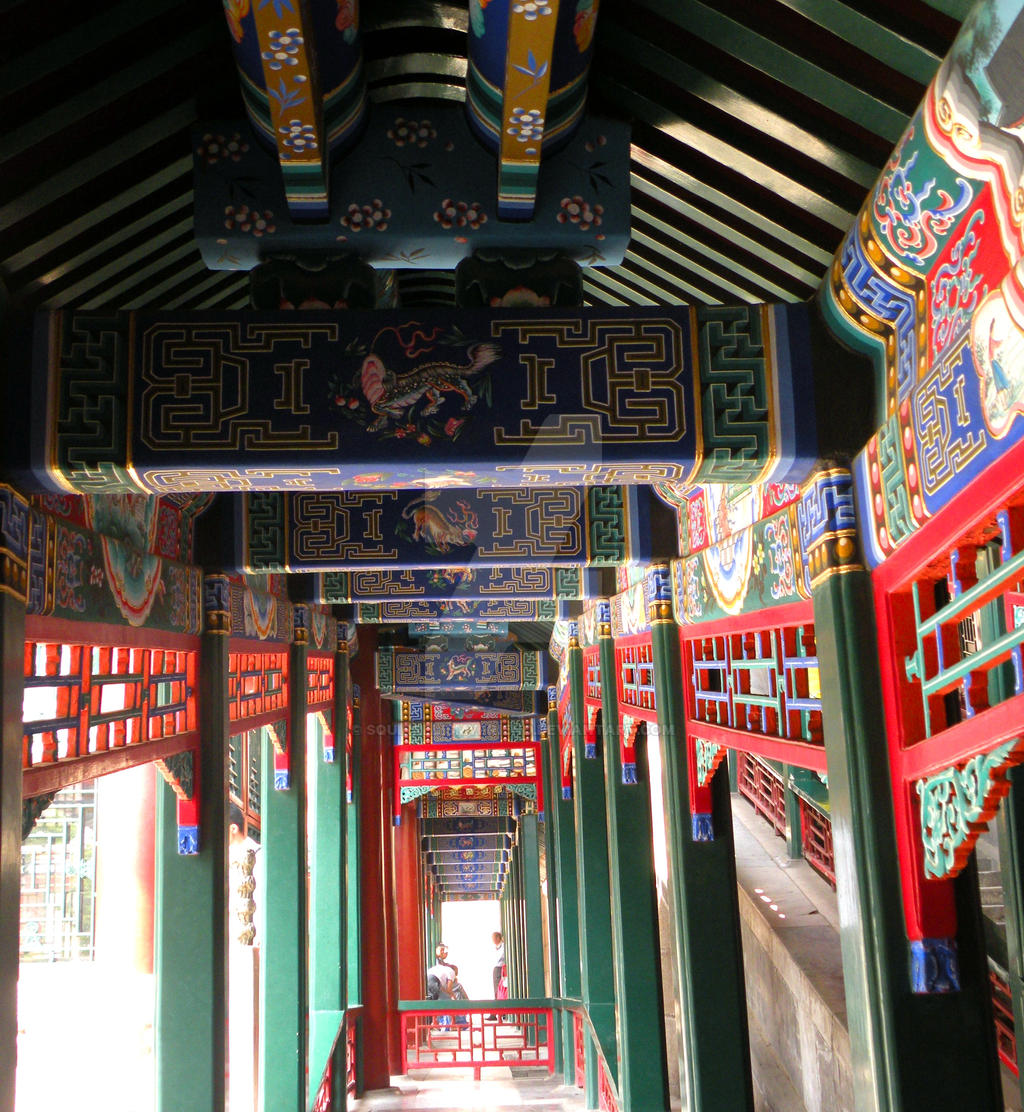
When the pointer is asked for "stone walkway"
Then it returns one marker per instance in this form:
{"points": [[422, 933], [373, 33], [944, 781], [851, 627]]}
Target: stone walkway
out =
{"points": [[448, 1090]]}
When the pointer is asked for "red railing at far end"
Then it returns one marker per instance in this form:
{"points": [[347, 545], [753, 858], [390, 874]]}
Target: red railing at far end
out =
{"points": [[607, 1101], [475, 1038], [579, 1050]]}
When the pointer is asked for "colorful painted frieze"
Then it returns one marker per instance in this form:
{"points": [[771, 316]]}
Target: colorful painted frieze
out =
{"points": [[342, 530], [258, 613], [160, 526], [929, 283], [469, 627], [461, 610], [709, 514], [75, 572], [409, 671], [355, 401], [499, 591], [757, 566]]}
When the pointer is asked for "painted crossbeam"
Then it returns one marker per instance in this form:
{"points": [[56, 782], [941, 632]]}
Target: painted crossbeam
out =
{"points": [[325, 400], [330, 531], [412, 672], [461, 610], [512, 591]]}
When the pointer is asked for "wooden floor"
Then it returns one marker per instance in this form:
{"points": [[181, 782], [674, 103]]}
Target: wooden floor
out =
{"points": [[453, 1090]]}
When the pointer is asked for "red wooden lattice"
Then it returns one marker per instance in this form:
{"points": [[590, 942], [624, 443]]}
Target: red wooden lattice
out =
{"points": [[607, 1101], [764, 789], [351, 1052], [86, 702], [579, 1051], [257, 684], [467, 1038], [319, 680], [950, 641], [634, 662], [757, 689], [324, 1100], [1002, 1014], [816, 838]]}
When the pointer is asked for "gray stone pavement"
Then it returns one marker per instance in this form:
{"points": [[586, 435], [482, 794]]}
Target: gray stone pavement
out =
{"points": [[497, 1091]]}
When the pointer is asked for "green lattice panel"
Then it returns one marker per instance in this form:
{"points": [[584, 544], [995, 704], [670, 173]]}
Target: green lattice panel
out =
{"points": [[607, 526]]}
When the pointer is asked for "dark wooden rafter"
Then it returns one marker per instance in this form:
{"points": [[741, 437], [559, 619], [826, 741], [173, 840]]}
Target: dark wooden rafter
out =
{"points": [[757, 130]]}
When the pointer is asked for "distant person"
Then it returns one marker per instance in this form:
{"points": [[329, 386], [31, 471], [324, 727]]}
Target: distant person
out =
{"points": [[447, 977], [499, 960]]}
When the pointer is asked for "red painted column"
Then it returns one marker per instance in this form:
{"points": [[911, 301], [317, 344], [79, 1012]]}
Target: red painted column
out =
{"points": [[408, 885], [375, 869]]}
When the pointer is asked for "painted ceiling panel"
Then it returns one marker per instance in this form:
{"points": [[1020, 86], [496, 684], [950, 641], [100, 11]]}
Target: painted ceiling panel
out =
{"points": [[757, 129]]}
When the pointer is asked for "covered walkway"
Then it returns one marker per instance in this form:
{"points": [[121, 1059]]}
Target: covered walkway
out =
{"points": [[498, 1091]]}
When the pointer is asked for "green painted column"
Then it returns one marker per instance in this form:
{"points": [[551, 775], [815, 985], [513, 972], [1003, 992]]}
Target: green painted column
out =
{"points": [[639, 1003], [565, 907], [518, 924], [283, 965], [12, 686], [902, 1043], [529, 840], [714, 1067], [191, 907], [794, 834], [353, 837], [551, 940], [596, 953], [327, 890]]}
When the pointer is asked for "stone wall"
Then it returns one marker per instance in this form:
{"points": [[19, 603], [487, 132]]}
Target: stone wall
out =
{"points": [[800, 1046]]}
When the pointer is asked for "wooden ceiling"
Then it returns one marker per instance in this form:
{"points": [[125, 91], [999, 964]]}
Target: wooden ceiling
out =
{"points": [[758, 127]]}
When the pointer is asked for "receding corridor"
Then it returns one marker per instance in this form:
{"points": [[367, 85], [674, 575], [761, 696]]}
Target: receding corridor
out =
{"points": [[452, 1089]]}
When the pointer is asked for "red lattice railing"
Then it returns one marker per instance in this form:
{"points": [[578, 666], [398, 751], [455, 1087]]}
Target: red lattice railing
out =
{"points": [[468, 1038], [816, 839], [951, 640], [91, 709], [579, 1051], [319, 680], [607, 1101], [257, 684], [764, 789], [1002, 1014], [352, 1020], [634, 661], [757, 690]]}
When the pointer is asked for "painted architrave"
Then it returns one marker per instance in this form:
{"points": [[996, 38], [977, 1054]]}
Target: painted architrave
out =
{"points": [[510, 590], [77, 573], [406, 610], [406, 671], [431, 401], [323, 531], [707, 513], [929, 283]]}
